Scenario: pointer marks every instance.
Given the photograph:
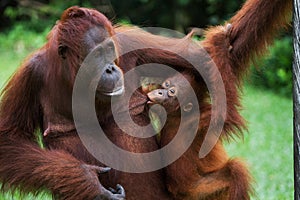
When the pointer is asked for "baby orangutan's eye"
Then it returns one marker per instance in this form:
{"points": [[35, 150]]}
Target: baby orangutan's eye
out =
{"points": [[172, 92], [166, 84]]}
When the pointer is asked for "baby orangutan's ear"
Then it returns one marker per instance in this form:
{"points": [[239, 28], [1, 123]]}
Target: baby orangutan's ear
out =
{"points": [[188, 107]]}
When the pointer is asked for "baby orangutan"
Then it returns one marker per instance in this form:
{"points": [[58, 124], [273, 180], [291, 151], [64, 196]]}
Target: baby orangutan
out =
{"points": [[213, 177]]}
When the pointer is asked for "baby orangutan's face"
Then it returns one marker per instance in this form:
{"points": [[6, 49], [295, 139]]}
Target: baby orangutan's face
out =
{"points": [[167, 96]]}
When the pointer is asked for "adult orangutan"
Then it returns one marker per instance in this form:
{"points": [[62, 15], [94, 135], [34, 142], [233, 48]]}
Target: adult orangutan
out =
{"points": [[39, 95]]}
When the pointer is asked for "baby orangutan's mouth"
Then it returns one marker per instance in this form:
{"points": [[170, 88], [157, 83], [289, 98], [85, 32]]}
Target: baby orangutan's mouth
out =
{"points": [[149, 102]]}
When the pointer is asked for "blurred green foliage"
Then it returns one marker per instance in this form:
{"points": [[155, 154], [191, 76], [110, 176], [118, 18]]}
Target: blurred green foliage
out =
{"points": [[36, 15], [174, 14], [15, 45], [275, 70], [15, 40]]}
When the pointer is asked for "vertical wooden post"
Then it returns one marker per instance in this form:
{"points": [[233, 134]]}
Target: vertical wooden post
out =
{"points": [[296, 97]]}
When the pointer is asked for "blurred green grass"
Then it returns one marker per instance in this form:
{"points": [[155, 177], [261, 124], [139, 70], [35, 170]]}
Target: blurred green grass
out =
{"points": [[15, 46], [267, 147]]}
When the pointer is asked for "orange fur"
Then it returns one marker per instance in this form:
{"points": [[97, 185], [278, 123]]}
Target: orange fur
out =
{"points": [[190, 178], [232, 47], [41, 89]]}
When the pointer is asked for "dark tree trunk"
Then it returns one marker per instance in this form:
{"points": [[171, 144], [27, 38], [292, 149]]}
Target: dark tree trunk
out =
{"points": [[296, 92]]}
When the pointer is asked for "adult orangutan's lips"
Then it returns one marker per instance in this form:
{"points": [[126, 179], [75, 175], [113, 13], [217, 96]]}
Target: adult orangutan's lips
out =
{"points": [[116, 92]]}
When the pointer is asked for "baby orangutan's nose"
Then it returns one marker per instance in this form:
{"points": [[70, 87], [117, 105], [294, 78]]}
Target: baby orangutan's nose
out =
{"points": [[157, 96]]}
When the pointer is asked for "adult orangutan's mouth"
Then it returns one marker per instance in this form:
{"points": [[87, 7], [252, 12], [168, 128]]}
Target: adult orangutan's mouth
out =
{"points": [[116, 92]]}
